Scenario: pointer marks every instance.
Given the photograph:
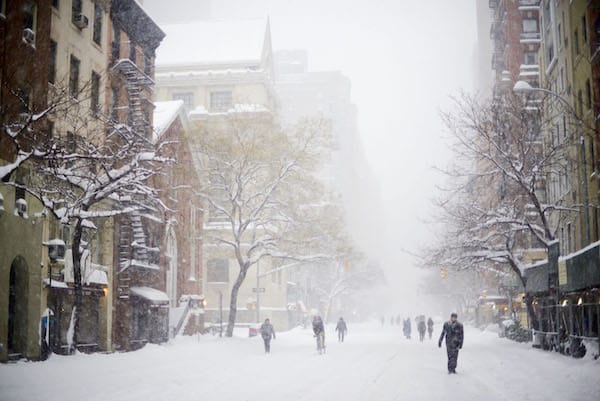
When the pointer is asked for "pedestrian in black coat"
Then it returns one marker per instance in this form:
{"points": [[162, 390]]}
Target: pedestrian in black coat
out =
{"points": [[454, 333]]}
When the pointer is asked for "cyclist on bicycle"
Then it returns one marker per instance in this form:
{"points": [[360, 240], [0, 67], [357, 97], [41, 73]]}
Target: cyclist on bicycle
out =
{"points": [[319, 330]]}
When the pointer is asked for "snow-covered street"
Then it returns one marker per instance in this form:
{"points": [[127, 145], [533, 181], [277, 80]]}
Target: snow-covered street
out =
{"points": [[373, 364]]}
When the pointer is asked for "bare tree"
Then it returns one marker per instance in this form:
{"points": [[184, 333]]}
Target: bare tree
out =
{"points": [[258, 178], [497, 204], [92, 168]]}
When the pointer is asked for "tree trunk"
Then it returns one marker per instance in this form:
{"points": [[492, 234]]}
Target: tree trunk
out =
{"points": [[528, 300], [233, 301], [77, 281]]}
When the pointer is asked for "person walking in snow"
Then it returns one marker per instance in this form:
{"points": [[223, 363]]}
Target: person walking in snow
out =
{"points": [[430, 327], [454, 333], [267, 332], [407, 328], [421, 327], [341, 329], [319, 331]]}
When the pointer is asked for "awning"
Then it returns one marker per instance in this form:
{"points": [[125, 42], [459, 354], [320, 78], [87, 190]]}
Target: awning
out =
{"points": [[152, 295]]}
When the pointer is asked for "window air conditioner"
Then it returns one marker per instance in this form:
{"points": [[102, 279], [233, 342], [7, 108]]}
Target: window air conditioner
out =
{"points": [[29, 36], [21, 208], [80, 21]]}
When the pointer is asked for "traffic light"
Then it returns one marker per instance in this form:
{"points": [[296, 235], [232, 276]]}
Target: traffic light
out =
{"points": [[443, 273]]}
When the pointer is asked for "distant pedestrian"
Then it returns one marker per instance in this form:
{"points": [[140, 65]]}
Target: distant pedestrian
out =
{"points": [[421, 327], [398, 320], [454, 333], [382, 321], [267, 332], [319, 331], [341, 329], [407, 328], [430, 327]]}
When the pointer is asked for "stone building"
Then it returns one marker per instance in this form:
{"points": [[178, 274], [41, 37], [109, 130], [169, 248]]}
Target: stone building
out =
{"points": [[227, 77]]}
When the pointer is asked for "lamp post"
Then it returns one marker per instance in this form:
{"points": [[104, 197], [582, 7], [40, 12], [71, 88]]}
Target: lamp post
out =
{"points": [[524, 87]]}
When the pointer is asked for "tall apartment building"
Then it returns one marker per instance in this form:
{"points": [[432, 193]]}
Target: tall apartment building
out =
{"points": [[24, 55], [516, 37]]}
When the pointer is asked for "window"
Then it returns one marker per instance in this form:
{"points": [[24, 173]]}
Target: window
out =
{"points": [[75, 9], [55, 4], [97, 35], [576, 41], [584, 29], [530, 25], [147, 64], [50, 129], [52, 70], [187, 97], [564, 121], [550, 54], [29, 15], [95, 95], [588, 94], [74, 76], [559, 36], [25, 99], [217, 271], [561, 80], [580, 102], [530, 58], [569, 238], [114, 112], [221, 100], [116, 43], [132, 51], [3, 7]]}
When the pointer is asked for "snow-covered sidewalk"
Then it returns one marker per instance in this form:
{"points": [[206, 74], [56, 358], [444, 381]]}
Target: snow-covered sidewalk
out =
{"points": [[373, 364]]}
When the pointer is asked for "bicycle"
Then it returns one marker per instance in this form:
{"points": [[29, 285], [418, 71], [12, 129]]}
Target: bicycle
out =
{"points": [[320, 342]]}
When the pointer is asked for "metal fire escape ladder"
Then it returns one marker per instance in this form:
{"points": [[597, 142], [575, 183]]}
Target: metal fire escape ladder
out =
{"points": [[133, 246]]}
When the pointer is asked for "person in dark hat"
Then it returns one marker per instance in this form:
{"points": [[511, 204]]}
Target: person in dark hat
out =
{"points": [[454, 333]]}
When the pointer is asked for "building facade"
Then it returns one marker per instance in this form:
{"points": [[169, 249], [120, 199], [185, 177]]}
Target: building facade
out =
{"points": [[228, 78], [24, 51], [141, 306]]}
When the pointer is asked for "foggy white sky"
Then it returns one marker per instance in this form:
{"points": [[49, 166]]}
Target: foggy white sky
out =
{"points": [[404, 59]]}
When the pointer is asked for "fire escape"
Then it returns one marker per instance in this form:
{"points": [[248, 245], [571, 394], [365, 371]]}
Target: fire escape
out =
{"points": [[134, 250]]}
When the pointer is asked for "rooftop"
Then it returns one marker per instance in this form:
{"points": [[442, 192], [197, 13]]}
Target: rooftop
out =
{"points": [[212, 42]]}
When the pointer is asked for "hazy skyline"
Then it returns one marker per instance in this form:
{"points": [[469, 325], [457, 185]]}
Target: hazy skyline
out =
{"points": [[404, 59]]}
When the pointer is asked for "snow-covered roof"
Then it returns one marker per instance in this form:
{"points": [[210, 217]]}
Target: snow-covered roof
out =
{"points": [[212, 42], [239, 108], [164, 115], [151, 294]]}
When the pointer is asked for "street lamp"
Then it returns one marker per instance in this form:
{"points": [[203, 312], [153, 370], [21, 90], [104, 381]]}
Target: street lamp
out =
{"points": [[525, 87]]}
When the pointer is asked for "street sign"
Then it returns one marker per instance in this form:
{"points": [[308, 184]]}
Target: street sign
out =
{"points": [[261, 289]]}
